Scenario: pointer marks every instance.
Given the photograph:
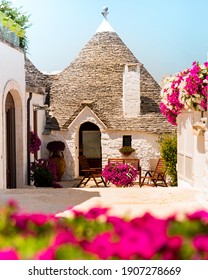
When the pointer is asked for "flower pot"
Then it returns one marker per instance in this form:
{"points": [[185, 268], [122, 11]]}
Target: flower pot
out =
{"points": [[58, 158], [126, 154]]}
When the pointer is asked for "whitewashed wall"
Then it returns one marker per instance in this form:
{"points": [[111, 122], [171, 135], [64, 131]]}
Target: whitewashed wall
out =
{"points": [[131, 91], [12, 79], [192, 153], [145, 144]]}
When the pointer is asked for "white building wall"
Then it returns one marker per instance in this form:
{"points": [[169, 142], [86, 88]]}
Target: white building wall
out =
{"points": [[131, 90], [36, 103], [205, 178], [12, 78], [198, 152], [145, 144]]}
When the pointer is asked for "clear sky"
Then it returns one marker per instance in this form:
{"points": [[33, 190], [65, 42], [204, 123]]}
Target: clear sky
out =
{"points": [[165, 35]]}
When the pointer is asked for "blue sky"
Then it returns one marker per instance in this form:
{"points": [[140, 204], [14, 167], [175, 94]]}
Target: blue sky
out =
{"points": [[166, 36]]}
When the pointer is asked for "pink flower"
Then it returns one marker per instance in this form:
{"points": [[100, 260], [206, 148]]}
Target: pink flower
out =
{"points": [[64, 237], [199, 215], [95, 212], [200, 242], [13, 204], [9, 254], [187, 89], [120, 174], [46, 254], [22, 220], [102, 245], [172, 248], [35, 143]]}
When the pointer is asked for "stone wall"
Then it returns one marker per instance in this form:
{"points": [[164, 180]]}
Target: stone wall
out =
{"points": [[145, 144], [95, 79]]}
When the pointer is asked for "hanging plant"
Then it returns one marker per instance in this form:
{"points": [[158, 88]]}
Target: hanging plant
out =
{"points": [[35, 143], [126, 150]]}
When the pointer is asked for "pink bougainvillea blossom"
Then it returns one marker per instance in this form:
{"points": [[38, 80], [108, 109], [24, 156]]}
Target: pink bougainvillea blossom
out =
{"points": [[185, 90], [87, 235], [200, 242], [120, 174], [9, 254], [35, 142]]}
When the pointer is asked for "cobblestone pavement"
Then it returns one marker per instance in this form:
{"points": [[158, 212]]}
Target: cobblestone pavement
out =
{"points": [[134, 201]]}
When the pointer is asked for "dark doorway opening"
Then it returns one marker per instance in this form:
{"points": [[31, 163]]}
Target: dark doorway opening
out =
{"points": [[90, 144], [10, 143]]}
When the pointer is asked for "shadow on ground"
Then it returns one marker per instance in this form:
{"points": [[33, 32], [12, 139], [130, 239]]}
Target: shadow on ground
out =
{"points": [[47, 200]]}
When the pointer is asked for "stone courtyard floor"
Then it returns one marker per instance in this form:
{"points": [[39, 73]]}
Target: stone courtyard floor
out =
{"points": [[133, 201]]}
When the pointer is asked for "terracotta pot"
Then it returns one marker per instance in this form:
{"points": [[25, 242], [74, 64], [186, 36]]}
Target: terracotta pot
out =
{"points": [[58, 158]]}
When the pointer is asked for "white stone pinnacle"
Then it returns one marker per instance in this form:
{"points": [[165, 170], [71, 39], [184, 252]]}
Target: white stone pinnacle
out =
{"points": [[105, 27]]}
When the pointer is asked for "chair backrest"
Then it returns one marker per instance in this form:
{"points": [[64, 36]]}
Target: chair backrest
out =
{"points": [[133, 161], [115, 160], [84, 163], [160, 168], [153, 163]]}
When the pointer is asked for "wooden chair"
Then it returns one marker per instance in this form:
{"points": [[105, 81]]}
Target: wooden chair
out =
{"points": [[90, 173], [155, 177]]}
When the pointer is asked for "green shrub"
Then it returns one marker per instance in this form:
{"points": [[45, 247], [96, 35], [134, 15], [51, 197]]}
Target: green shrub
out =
{"points": [[168, 150]]}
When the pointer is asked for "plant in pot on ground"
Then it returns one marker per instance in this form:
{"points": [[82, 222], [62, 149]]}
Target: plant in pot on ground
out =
{"points": [[56, 155], [43, 173]]}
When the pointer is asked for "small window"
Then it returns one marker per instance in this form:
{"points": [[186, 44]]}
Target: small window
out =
{"points": [[127, 140]]}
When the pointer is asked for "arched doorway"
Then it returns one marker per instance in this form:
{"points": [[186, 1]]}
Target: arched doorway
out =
{"points": [[10, 143], [90, 144]]}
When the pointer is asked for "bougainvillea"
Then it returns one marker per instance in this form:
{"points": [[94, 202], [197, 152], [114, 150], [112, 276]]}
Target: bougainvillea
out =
{"points": [[120, 174], [185, 90], [94, 234], [35, 143]]}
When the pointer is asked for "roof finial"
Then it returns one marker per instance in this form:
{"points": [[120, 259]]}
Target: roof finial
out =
{"points": [[105, 12]]}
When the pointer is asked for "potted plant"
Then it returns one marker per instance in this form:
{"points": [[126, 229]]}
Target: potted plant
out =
{"points": [[120, 174], [126, 150], [43, 173], [56, 149]]}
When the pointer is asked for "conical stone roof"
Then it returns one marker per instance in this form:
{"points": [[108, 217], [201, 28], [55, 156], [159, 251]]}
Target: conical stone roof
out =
{"points": [[95, 79], [36, 81]]}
